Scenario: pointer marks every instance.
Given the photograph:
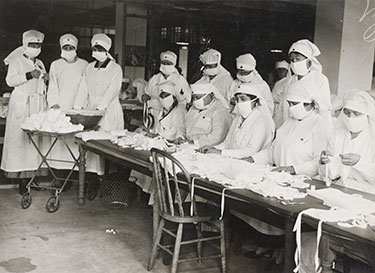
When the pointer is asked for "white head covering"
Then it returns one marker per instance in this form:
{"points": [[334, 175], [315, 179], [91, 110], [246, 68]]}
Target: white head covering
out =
{"points": [[337, 102], [102, 40], [203, 87], [248, 89], [299, 93], [168, 87], [211, 56], [30, 36], [282, 64], [169, 56], [309, 50], [68, 39], [246, 62]]}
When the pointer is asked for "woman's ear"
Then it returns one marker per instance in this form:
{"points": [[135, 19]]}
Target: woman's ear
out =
{"points": [[309, 63]]}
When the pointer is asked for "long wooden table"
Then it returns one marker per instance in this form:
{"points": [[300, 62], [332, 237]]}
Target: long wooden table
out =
{"points": [[269, 210]]}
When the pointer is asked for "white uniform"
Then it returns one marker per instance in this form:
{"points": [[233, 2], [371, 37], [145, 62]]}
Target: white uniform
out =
{"points": [[361, 176], [27, 98], [209, 126], [64, 80], [100, 89], [249, 136], [257, 83], [298, 143], [151, 89], [314, 80], [277, 91], [221, 81], [172, 126]]}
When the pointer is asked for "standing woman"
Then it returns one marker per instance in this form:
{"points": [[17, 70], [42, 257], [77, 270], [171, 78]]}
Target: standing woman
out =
{"points": [[27, 75], [99, 90]]}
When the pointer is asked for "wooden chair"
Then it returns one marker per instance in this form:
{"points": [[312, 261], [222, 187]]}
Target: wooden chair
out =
{"points": [[172, 208]]}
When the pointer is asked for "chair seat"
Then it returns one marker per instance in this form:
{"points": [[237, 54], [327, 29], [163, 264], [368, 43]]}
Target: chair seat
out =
{"points": [[206, 212]]}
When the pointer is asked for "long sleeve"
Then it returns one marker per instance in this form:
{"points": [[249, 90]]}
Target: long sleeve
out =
{"points": [[186, 96], [81, 100], [221, 124], [320, 138], [256, 139], [113, 89], [16, 75], [53, 89], [265, 156]]}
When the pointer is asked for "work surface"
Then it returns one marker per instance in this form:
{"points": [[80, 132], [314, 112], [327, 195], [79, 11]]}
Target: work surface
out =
{"points": [[270, 210]]}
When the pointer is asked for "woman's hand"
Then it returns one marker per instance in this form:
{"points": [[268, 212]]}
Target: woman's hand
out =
{"points": [[287, 169], [179, 140], [249, 159], [209, 150], [35, 73], [46, 77], [350, 159], [145, 97], [55, 106], [324, 157]]}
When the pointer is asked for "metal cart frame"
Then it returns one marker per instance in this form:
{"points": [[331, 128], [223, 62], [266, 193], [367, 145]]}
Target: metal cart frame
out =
{"points": [[53, 202]]}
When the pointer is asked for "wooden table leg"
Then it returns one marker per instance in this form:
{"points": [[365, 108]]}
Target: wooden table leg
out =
{"points": [[324, 254], [289, 245], [82, 174]]}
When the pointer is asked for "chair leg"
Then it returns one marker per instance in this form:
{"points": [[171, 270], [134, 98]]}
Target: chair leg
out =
{"points": [[199, 244], [177, 247], [155, 245], [222, 247]]}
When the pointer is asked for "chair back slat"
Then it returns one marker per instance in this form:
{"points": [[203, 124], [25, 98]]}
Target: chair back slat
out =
{"points": [[167, 170]]}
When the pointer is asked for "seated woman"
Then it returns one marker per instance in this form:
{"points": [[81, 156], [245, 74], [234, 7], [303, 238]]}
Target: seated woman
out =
{"points": [[208, 120], [295, 150], [252, 129], [350, 157], [170, 123]]}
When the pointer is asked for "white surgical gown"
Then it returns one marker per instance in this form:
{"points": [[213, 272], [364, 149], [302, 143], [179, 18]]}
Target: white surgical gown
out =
{"points": [[64, 80], [27, 98], [298, 143], [361, 176], [100, 89], [172, 126], [249, 136], [209, 126]]}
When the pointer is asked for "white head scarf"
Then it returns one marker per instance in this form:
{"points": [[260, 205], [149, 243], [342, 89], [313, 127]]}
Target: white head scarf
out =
{"points": [[104, 41], [213, 56], [282, 64], [299, 93], [169, 56], [309, 50], [68, 39], [30, 36], [246, 62], [202, 88]]}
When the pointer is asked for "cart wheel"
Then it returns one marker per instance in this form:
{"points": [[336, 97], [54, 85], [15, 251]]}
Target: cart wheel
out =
{"points": [[53, 204], [26, 200], [92, 190]]}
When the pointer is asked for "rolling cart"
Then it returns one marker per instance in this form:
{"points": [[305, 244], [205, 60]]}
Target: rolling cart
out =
{"points": [[53, 202]]}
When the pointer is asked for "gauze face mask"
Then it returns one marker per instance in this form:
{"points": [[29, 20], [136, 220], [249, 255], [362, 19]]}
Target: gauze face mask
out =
{"points": [[199, 104], [355, 124], [101, 56], [211, 71], [167, 69], [246, 78], [167, 102], [68, 55], [300, 68], [244, 108], [32, 52], [298, 111]]}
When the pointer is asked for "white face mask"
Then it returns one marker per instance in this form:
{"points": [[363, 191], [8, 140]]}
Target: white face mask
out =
{"points": [[199, 104], [68, 55], [167, 102], [355, 124], [211, 71], [32, 52], [300, 68], [244, 108], [246, 78], [167, 69], [298, 111], [101, 56]]}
